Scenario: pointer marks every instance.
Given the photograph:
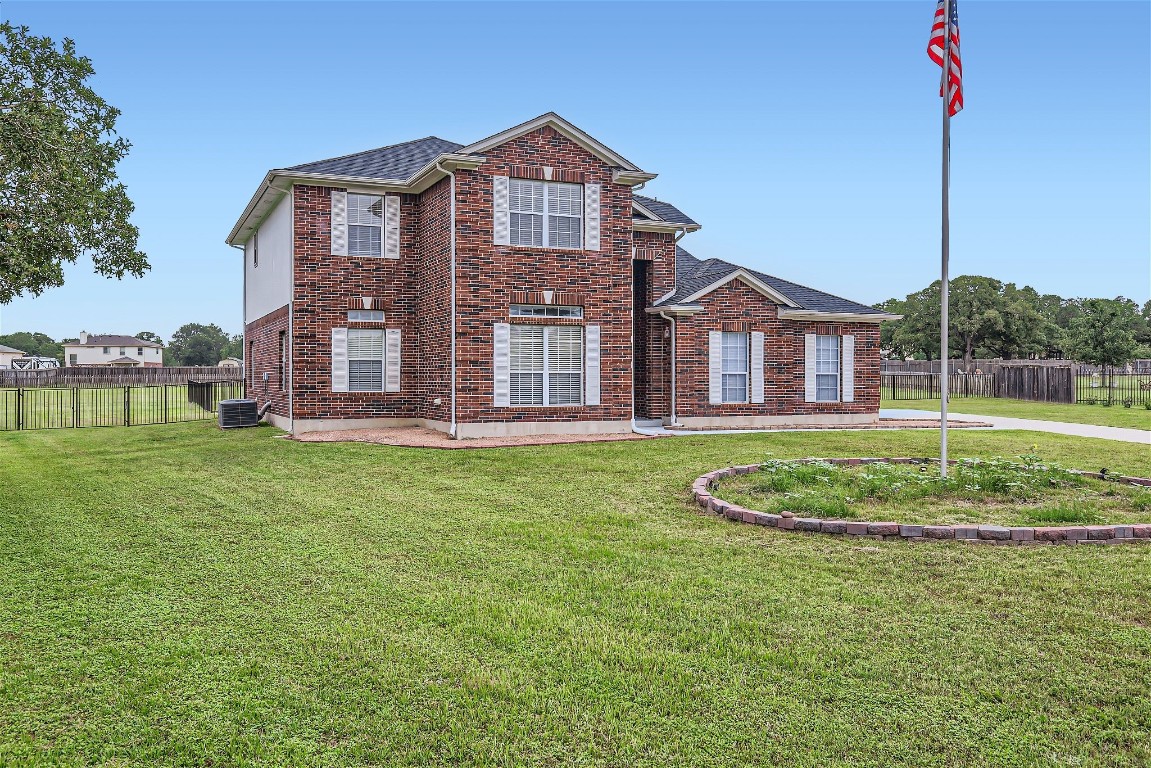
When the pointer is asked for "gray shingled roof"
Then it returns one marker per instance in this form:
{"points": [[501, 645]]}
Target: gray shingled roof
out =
{"points": [[693, 275], [112, 340], [397, 162], [11, 350], [665, 211]]}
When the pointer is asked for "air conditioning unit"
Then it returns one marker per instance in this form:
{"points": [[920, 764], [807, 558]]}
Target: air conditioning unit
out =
{"points": [[238, 413]]}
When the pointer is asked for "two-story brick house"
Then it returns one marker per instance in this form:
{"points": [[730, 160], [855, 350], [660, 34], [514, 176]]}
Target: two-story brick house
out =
{"points": [[521, 285]]}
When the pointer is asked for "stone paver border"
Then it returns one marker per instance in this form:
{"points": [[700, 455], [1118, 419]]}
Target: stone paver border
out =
{"points": [[702, 488]]}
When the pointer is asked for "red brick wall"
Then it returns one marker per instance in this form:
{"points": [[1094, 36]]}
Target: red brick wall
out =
{"points": [[488, 274], [433, 286], [262, 355], [324, 284], [653, 390], [783, 352]]}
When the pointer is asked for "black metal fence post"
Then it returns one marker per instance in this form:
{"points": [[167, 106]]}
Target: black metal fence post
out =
{"points": [[20, 408], [127, 406]]}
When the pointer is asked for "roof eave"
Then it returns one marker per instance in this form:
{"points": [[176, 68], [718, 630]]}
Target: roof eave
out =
{"points": [[640, 225], [753, 281], [563, 127], [853, 317], [630, 178], [262, 204]]}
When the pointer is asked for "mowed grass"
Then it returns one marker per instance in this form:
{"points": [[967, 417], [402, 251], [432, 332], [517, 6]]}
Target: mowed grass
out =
{"points": [[180, 595], [1136, 417]]}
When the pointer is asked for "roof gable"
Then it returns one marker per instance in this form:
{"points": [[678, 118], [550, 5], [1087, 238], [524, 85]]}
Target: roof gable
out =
{"points": [[561, 126], [397, 162]]}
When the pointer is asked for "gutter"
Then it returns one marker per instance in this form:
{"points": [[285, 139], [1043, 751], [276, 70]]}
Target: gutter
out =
{"points": [[452, 233]]}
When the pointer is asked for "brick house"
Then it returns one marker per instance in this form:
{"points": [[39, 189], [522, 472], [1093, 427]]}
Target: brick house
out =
{"points": [[521, 285]]}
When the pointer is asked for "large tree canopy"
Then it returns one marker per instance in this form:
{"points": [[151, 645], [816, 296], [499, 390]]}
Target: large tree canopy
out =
{"points": [[197, 344], [58, 153]]}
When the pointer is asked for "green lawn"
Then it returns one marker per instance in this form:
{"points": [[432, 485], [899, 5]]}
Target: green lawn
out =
{"points": [[1108, 416], [180, 595]]}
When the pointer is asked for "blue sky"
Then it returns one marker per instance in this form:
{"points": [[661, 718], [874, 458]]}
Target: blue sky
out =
{"points": [[803, 136]]}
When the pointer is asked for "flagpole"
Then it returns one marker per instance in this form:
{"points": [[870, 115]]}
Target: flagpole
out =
{"points": [[946, 236]]}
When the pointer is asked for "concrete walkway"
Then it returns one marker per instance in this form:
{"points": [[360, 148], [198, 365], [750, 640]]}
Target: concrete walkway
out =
{"points": [[1006, 422]]}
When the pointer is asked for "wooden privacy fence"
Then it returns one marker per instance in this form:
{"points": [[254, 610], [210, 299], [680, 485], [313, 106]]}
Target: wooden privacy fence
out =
{"points": [[94, 376], [62, 407], [925, 386], [1049, 384]]}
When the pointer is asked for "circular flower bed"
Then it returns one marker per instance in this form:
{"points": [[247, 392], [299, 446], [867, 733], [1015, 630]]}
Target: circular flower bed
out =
{"points": [[980, 501]]}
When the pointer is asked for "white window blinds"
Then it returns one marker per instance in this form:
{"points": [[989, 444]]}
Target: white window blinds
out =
{"points": [[365, 225], [735, 367], [545, 365], [365, 360], [544, 214]]}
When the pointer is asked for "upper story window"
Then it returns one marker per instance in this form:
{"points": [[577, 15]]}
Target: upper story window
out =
{"points": [[365, 225], [827, 369], [107, 350], [140, 351], [545, 214], [123, 351], [539, 310]]}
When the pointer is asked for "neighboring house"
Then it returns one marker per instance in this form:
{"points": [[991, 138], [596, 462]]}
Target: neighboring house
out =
{"points": [[114, 351], [7, 355], [230, 362], [520, 285]]}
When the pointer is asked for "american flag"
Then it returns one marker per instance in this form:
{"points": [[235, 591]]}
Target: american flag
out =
{"points": [[935, 51]]}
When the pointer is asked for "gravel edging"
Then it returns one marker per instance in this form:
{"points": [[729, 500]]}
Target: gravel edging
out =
{"points": [[704, 485]]}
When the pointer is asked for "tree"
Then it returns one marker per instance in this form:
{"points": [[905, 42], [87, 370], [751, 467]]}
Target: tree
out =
{"points": [[196, 344], [34, 344], [58, 153], [1103, 334], [149, 336]]}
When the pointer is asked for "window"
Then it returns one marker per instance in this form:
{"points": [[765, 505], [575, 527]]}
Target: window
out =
{"points": [[546, 365], [283, 360], [72, 359], [366, 315], [365, 360], [827, 369], [735, 367], [107, 350], [123, 351], [365, 225], [533, 310], [545, 214], [140, 351], [256, 249]]}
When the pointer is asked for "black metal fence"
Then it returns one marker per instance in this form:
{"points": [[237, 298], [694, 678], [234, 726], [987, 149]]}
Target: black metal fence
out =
{"points": [[91, 376], [925, 386], [1112, 388], [128, 406]]}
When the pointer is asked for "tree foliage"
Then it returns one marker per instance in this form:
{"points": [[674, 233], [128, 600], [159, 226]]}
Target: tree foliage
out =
{"points": [[1105, 333], [34, 344], [60, 197], [197, 344], [991, 319]]}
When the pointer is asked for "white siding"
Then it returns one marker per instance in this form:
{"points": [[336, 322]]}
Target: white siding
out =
{"points": [[268, 287]]}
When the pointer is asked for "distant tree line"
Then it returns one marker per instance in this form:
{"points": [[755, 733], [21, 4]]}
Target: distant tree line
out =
{"points": [[191, 344], [991, 319]]}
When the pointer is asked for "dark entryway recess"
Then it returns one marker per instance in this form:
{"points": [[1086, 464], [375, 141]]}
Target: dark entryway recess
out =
{"points": [[641, 329]]}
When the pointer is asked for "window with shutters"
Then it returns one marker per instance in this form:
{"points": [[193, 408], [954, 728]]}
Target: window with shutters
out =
{"points": [[365, 360], [546, 365], [365, 225], [827, 369], [735, 367], [545, 214]]}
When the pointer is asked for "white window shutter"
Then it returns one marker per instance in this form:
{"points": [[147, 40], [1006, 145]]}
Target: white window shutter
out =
{"points": [[756, 367], [392, 360], [809, 387], [715, 367], [339, 359], [591, 365], [500, 225], [591, 216], [339, 223], [847, 386], [392, 227], [501, 343]]}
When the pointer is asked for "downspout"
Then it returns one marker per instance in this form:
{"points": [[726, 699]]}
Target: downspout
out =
{"points": [[671, 320], [452, 232]]}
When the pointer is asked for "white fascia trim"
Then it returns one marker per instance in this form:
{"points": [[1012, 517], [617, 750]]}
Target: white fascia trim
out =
{"points": [[853, 317], [646, 211], [750, 279], [639, 225], [676, 309], [565, 128], [631, 178], [421, 180]]}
